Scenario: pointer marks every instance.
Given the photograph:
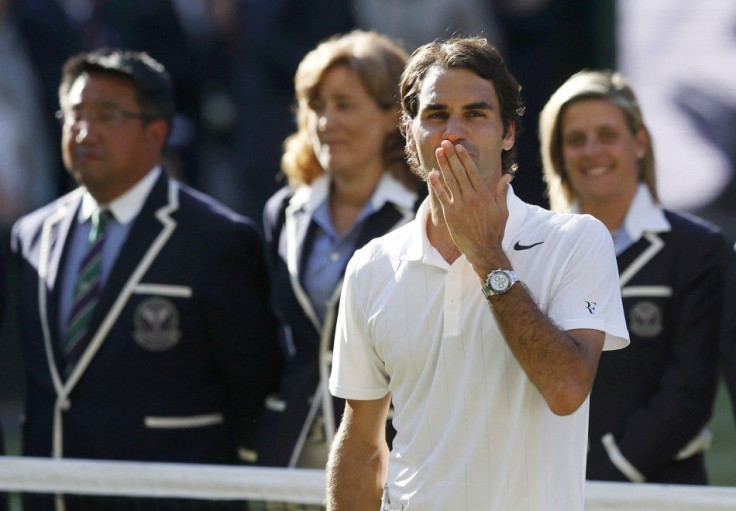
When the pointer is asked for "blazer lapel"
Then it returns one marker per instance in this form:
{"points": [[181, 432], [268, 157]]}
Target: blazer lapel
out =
{"points": [[296, 224], [54, 235], [146, 227], [652, 245], [382, 221], [149, 233]]}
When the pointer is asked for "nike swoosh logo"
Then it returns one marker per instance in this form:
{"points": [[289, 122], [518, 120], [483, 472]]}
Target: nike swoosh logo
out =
{"points": [[519, 246]]}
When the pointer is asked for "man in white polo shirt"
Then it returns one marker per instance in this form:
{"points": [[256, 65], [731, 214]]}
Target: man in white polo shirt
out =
{"points": [[483, 319]]}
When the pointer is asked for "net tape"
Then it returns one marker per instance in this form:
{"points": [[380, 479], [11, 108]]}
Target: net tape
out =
{"points": [[174, 480], [299, 486]]}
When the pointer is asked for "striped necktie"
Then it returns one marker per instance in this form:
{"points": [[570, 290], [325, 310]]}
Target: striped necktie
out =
{"points": [[86, 292]]}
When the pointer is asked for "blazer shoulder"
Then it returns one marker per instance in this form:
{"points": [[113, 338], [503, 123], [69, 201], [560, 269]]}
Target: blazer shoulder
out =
{"points": [[277, 202], [31, 224], [689, 227], [691, 222], [205, 210], [695, 240], [274, 211]]}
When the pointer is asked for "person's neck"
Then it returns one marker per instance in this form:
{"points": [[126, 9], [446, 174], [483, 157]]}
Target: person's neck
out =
{"points": [[611, 213], [348, 198]]}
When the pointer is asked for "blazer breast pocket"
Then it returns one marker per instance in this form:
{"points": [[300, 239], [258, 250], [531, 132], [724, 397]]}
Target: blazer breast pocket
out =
{"points": [[157, 317], [646, 309]]}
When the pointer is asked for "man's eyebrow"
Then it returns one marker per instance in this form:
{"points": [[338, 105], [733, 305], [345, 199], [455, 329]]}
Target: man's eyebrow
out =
{"points": [[95, 104], [433, 107], [479, 105]]}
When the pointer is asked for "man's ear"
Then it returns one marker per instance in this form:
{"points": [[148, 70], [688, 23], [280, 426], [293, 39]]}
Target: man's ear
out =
{"points": [[510, 137], [157, 131]]}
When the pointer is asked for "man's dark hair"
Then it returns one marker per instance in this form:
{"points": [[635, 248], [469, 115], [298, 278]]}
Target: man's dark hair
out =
{"points": [[480, 57], [151, 81]]}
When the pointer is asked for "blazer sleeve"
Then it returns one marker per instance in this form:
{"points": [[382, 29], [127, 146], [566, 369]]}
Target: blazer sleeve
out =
{"points": [[682, 404], [2, 314], [2, 287], [243, 332], [728, 339]]}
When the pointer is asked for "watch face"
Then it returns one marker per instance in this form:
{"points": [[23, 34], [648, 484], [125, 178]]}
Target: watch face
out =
{"points": [[499, 281]]}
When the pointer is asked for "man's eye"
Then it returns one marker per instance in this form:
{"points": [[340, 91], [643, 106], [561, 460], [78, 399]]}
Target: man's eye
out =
{"points": [[107, 115]]}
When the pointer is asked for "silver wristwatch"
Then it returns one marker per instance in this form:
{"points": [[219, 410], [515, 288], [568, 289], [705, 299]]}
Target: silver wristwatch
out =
{"points": [[498, 282]]}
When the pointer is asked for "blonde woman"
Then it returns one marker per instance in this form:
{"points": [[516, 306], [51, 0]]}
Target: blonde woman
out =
{"points": [[651, 402]]}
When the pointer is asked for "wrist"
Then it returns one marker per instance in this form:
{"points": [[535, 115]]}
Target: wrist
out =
{"points": [[498, 282], [488, 260]]}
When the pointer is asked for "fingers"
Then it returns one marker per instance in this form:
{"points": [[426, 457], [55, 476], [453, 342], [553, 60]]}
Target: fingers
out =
{"points": [[446, 169], [502, 190], [469, 169], [457, 168], [438, 187]]}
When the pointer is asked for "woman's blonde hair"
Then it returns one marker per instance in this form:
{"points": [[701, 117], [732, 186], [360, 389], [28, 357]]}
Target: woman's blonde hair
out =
{"points": [[378, 61], [587, 84]]}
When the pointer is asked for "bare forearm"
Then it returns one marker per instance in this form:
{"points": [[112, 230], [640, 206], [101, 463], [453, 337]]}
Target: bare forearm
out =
{"points": [[355, 475], [561, 367], [358, 462]]}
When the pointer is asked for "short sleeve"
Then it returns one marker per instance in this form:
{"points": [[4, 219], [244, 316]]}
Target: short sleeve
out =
{"points": [[587, 293], [357, 370]]}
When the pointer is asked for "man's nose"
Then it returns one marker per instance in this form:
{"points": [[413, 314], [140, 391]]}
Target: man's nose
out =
{"points": [[455, 129]]}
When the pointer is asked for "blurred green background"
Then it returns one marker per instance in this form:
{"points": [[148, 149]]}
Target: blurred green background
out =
{"points": [[721, 459]]}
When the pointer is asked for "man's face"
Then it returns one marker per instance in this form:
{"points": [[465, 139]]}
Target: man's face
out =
{"points": [[459, 106], [105, 147]]}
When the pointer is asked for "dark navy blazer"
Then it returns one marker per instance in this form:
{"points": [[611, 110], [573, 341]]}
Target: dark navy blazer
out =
{"points": [[728, 341], [656, 396], [305, 343], [180, 353], [2, 316]]}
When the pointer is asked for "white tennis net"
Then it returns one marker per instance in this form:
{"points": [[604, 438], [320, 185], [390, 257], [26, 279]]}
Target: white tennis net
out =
{"points": [[133, 486], [66, 484]]}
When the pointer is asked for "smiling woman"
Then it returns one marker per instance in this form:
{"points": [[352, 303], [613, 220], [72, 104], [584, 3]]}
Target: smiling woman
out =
{"points": [[651, 402], [348, 182]]}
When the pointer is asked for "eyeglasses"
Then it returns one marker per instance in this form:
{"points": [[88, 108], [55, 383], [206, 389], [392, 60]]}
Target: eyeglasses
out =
{"points": [[108, 116]]}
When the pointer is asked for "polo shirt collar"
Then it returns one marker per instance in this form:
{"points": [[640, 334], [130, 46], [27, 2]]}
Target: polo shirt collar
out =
{"points": [[418, 242], [126, 207], [644, 215]]}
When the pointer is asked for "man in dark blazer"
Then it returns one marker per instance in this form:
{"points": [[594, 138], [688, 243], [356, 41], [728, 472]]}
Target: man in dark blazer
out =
{"points": [[177, 356]]}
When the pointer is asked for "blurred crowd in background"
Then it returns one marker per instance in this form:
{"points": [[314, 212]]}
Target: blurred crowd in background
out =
{"points": [[233, 63]]}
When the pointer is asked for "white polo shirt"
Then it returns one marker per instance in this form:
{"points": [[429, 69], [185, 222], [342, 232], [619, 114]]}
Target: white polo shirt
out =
{"points": [[472, 430]]}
